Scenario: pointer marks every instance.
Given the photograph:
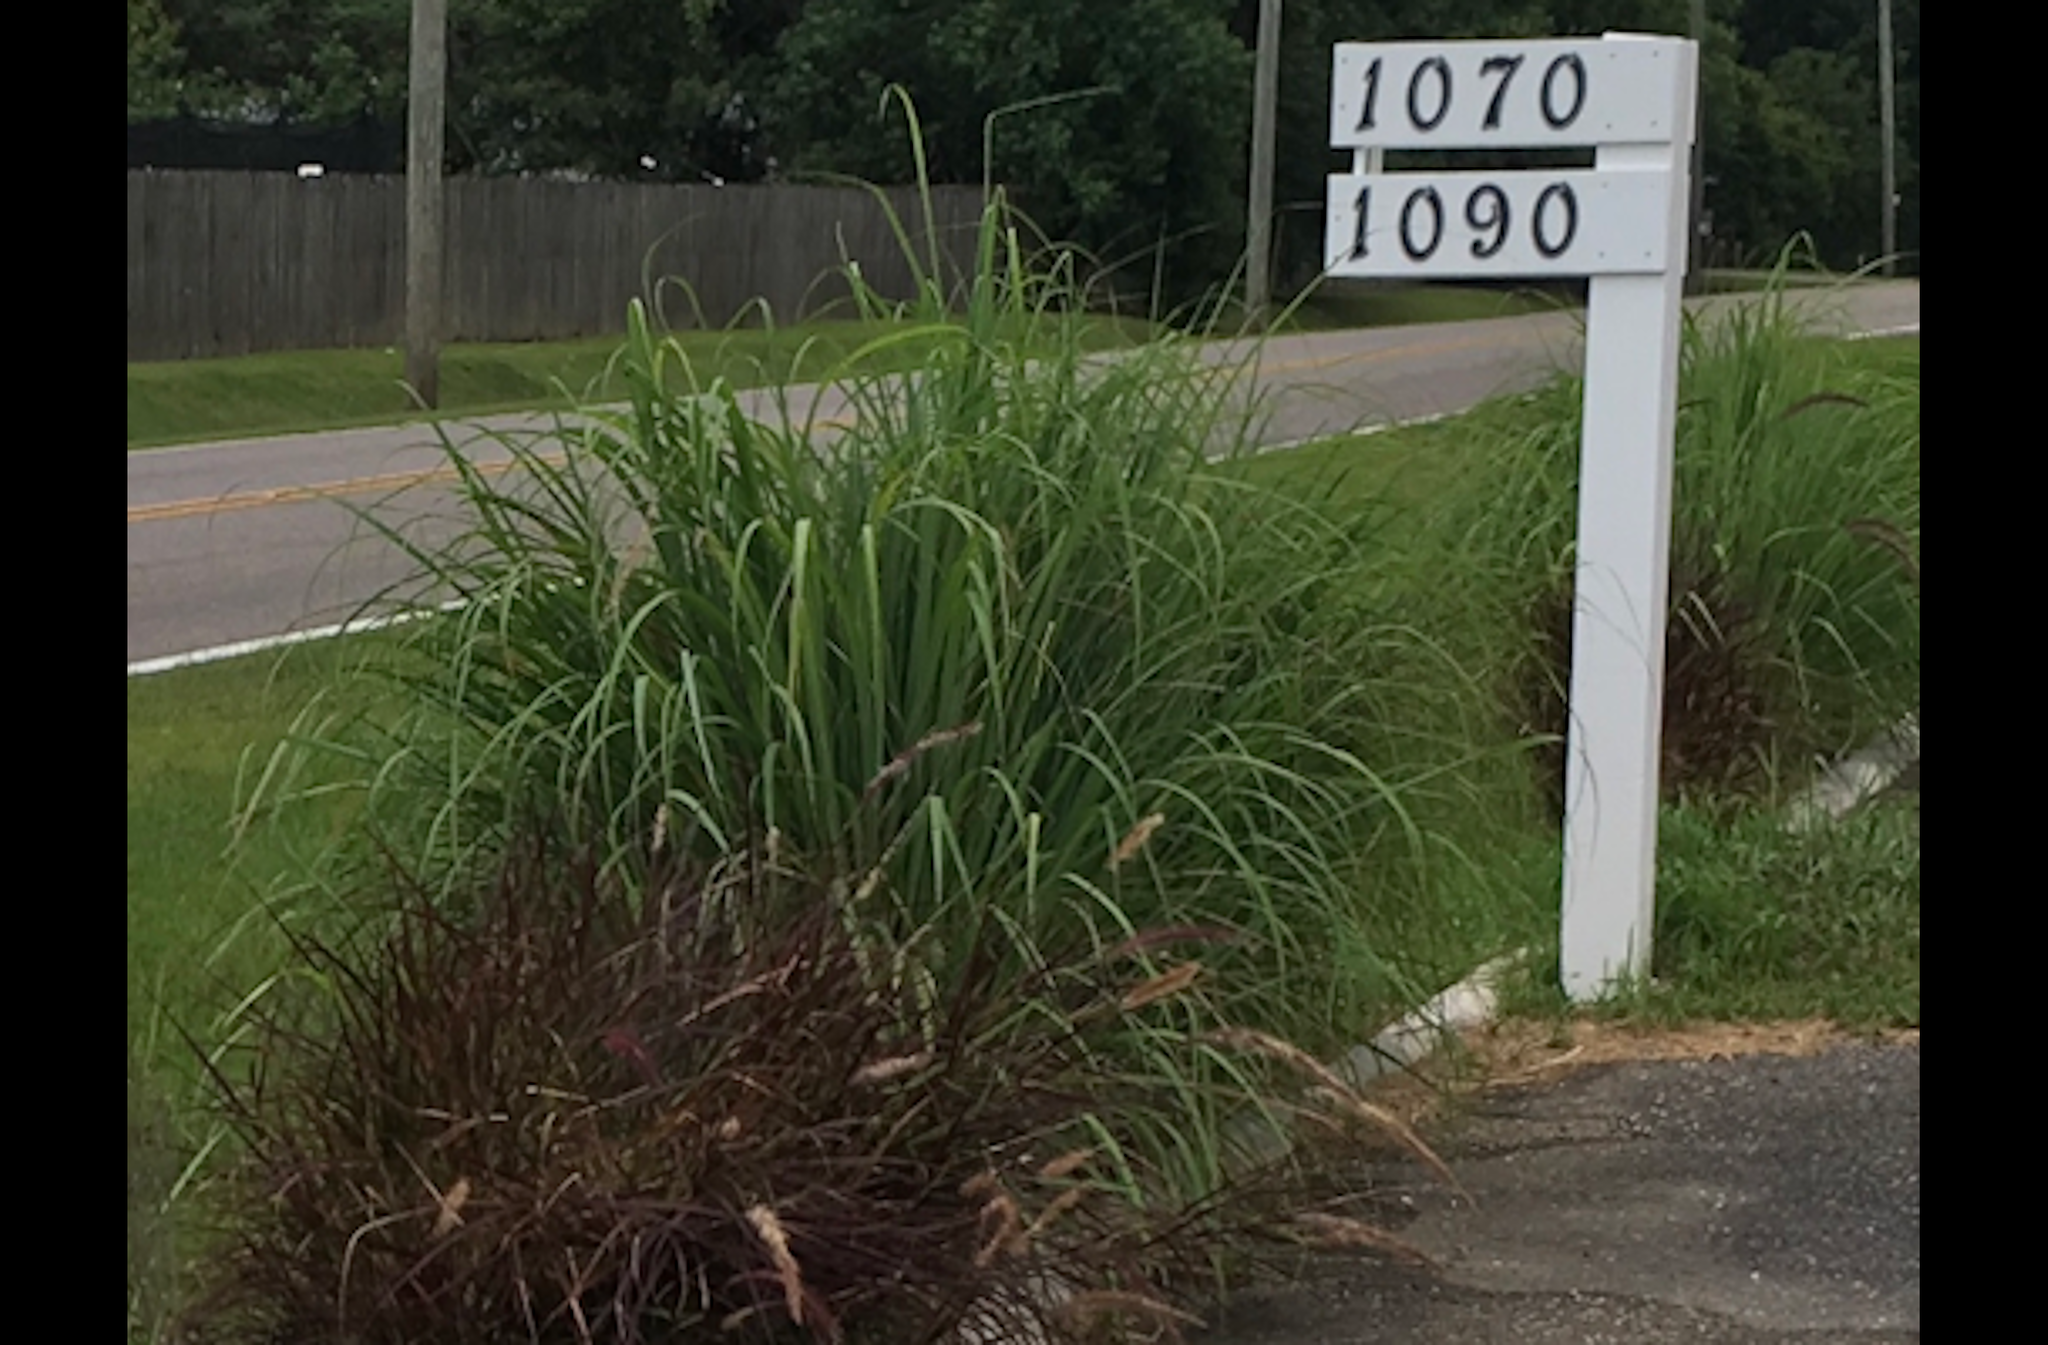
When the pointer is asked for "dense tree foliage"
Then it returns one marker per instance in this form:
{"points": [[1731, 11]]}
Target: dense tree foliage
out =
{"points": [[157, 65], [742, 89], [1155, 148]]}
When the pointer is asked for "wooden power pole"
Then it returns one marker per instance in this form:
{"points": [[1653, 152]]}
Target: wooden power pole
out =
{"points": [[425, 112], [1258, 272]]}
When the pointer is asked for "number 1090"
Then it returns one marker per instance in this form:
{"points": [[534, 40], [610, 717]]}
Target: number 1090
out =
{"points": [[1487, 212], [1510, 224]]}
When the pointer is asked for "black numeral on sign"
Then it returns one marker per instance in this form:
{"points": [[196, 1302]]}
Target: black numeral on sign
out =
{"points": [[1358, 235], [1505, 67], [1561, 95], [1442, 69], [1549, 243], [1422, 251], [1494, 216], [1560, 120], [1553, 221], [1372, 93]]}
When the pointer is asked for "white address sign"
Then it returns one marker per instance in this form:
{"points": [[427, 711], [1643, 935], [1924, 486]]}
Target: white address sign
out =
{"points": [[1520, 94], [1561, 222]]}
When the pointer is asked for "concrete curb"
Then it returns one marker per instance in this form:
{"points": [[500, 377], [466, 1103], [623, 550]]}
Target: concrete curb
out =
{"points": [[1470, 1003], [1255, 1138], [1859, 777]]}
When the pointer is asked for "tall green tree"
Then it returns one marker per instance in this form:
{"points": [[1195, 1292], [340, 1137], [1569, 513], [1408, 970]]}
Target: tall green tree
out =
{"points": [[156, 61], [1803, 150], [299, 60], [590, 85], [1160, 154], [594, 86]]}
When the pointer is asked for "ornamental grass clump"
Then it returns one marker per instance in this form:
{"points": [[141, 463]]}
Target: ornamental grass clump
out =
{"points": [[958, 765], [735, 1106], [1793, 627], [734, 619]]}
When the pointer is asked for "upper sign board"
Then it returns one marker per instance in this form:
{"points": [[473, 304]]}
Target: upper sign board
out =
{"points": [[1508, 94]]}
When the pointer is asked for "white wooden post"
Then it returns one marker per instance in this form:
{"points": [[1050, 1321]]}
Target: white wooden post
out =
{"points": [[1623, 223], [1622, 594]]}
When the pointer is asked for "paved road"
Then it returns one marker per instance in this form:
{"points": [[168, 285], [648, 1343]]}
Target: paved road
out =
{"points": [[234, 541], [1749, 1201]]}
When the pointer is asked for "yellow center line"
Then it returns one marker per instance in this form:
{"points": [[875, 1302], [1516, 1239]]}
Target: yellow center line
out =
{"points": [[325, 490], [259, 499]]}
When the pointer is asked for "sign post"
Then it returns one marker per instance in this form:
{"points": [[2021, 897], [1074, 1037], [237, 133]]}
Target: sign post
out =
{"points": [[1622, 224]]}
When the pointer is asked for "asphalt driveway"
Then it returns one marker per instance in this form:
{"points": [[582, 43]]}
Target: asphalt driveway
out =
{"points": [[1730, 1201]]}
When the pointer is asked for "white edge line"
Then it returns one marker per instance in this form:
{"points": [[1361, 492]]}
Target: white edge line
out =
{"points": [[1471, 1003], [1853, 781], [192, 658], [1355, 432], [1903, 329]]}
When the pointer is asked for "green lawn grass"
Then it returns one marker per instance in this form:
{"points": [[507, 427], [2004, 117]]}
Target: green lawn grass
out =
{"points": [[193, 946], [1755, 922], [193, 734], [287, 392]]}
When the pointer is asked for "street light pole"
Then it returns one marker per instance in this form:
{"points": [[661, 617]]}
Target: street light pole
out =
{"points": [[425, 113], [1258, 274], [1888, 112]]}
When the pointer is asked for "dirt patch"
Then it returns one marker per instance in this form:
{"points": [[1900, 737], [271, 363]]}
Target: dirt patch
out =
{"points": [[1517, 1052]]}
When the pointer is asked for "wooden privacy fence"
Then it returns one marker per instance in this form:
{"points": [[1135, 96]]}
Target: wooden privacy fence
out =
{"points": [[234, 263]]}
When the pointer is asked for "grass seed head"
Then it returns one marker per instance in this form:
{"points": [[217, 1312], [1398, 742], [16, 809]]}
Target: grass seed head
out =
{"points": [[881, 1071], [1335, 1230], [769, 1229], [1066, 1164], [1163, 986], [1086, 1309], [1261, 1043], [1134, 839]]}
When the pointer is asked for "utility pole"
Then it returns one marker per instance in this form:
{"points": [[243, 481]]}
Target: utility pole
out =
{"points": [[1695, 263], [1885, 93], [425, 112], [1258, 273]]}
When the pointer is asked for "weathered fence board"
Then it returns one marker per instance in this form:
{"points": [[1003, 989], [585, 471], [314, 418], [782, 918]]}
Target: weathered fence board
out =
{"points": [[223, 263]]}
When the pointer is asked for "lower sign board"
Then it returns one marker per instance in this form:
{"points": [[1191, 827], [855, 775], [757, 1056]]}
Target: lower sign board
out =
{"points": [[1526, 222]]}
